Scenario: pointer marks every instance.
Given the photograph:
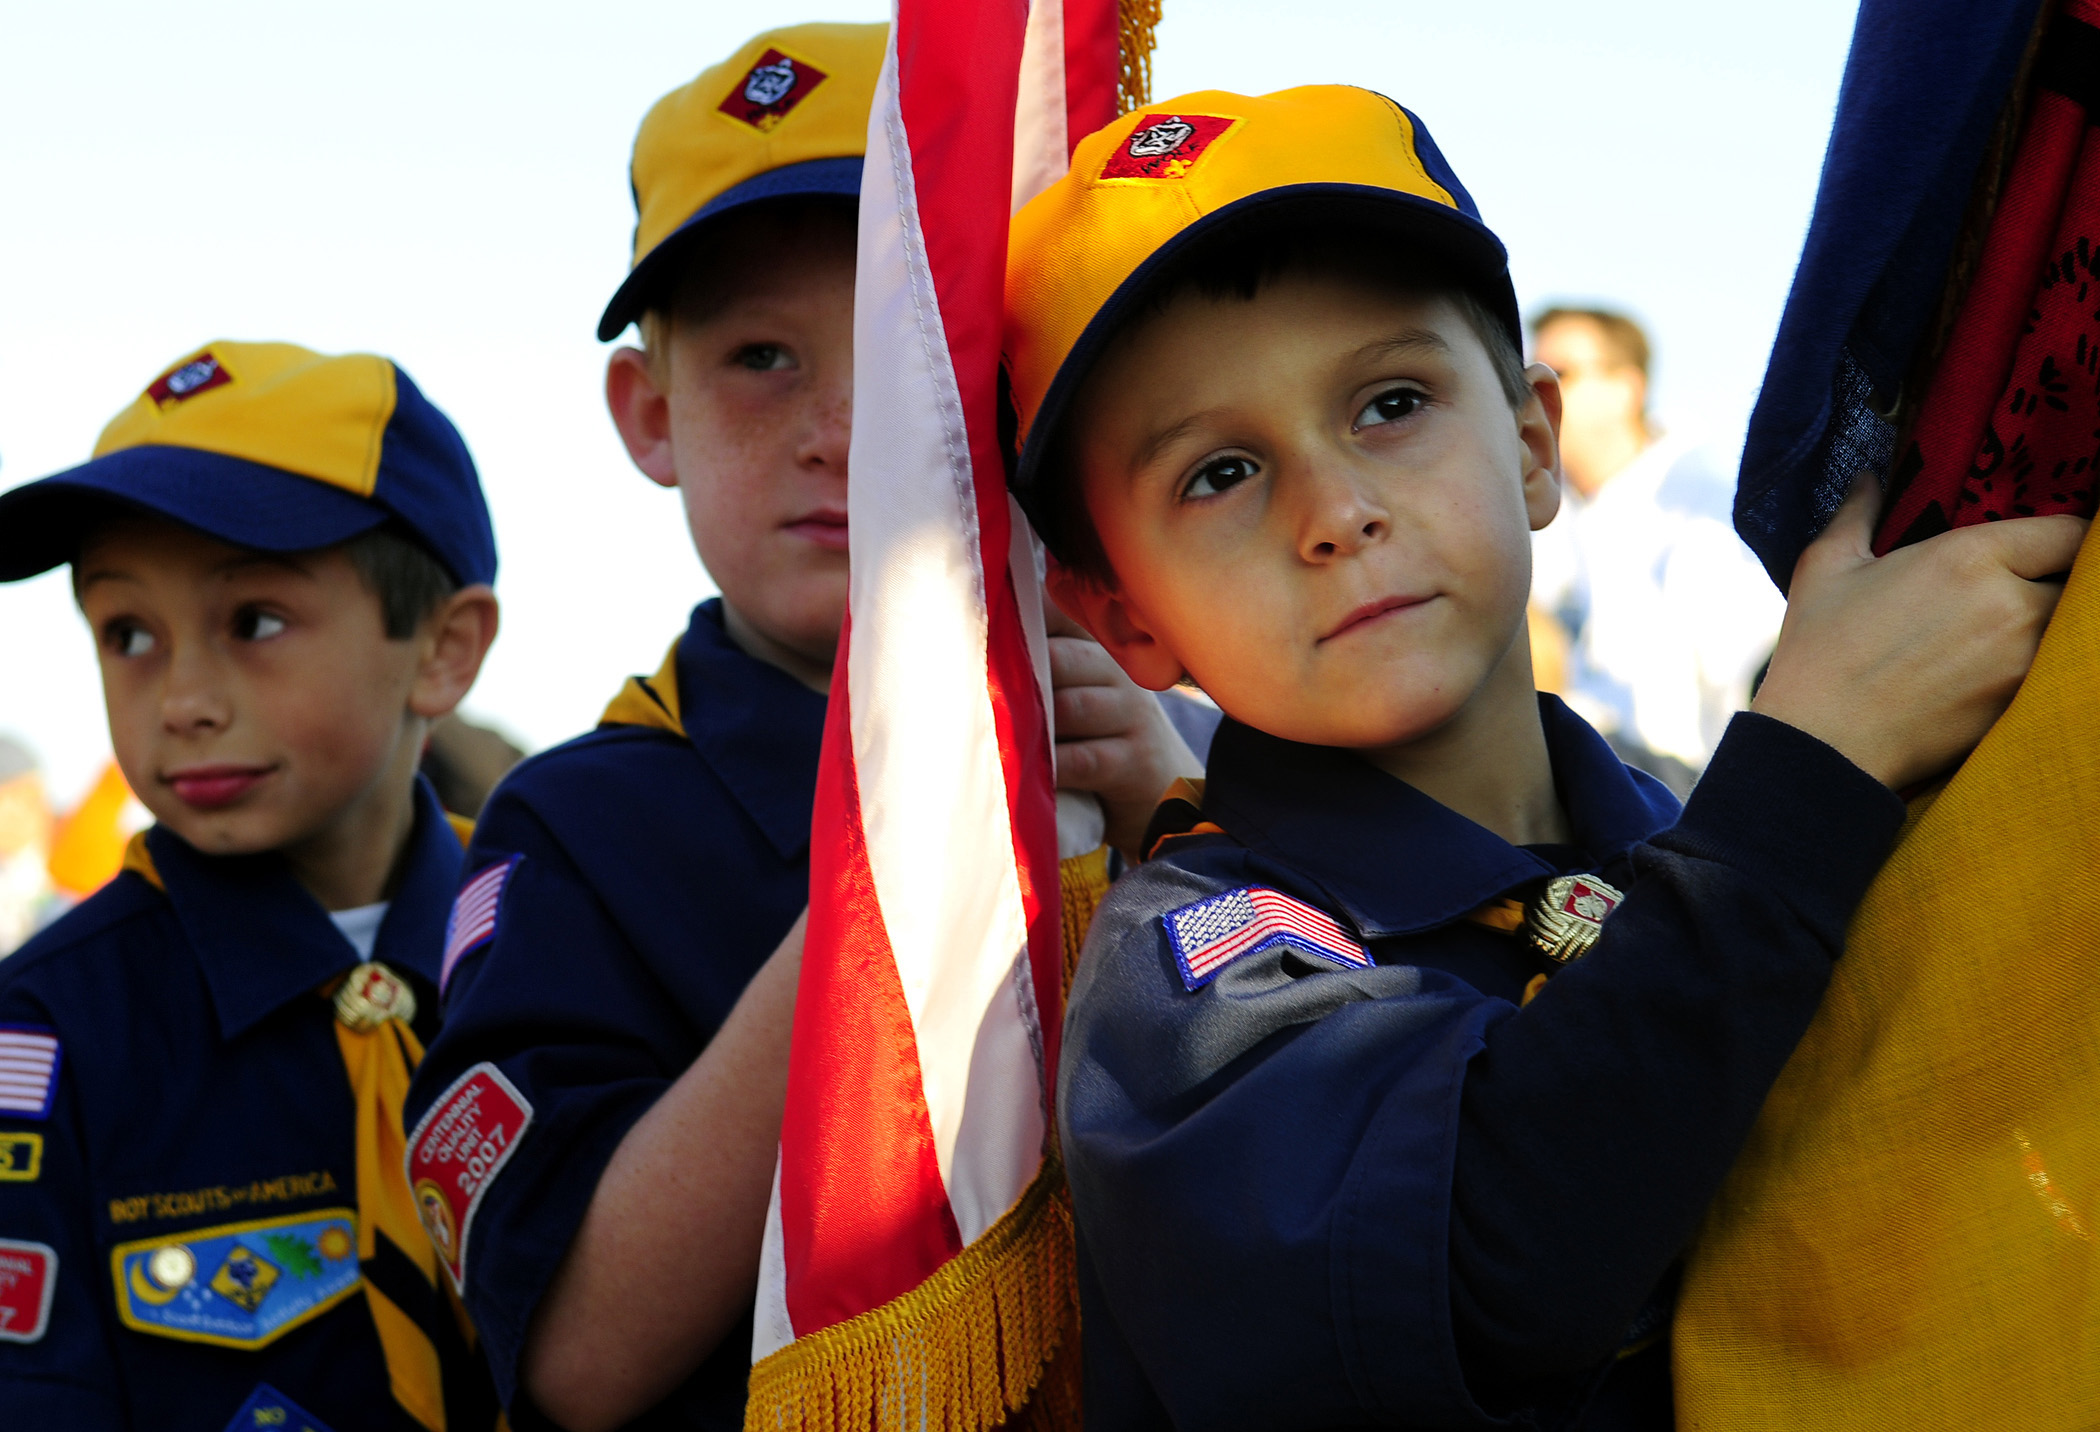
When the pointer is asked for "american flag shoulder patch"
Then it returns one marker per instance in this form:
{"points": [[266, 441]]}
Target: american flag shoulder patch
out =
{"points": [[28, 1070], [1214, 932], [473, 919]]}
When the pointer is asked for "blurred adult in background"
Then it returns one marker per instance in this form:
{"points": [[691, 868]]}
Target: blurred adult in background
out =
{"points": [[464, 761], [27, 899], [1668, 616]]}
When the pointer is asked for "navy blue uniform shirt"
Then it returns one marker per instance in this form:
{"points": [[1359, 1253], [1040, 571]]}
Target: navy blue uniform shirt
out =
{"points": [[200, 1104], [653, 875], [1316, 1195]]}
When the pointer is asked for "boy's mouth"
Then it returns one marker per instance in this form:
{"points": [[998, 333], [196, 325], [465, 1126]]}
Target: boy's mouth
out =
{"points": [[1371, 611], [211, 787], [826, 527]]}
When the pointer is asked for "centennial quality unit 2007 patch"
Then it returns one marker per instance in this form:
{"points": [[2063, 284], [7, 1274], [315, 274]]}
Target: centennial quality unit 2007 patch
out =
{"points": [[457, 1151], [28, 1273], [1212, 933]]}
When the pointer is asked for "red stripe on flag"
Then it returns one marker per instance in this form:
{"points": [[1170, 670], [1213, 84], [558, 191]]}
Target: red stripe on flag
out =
{"points": [[1024, 751], [864, 1216], [1093, 65]]}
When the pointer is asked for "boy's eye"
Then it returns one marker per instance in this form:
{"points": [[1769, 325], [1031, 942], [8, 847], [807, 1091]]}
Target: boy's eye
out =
{"points": [[1390, 406], [1218, 474], [764, 357], [125, 639], [255, 624]]}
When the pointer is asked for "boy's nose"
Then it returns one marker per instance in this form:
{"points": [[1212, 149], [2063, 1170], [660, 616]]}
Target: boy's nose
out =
{"points": [[1341, 515], [193, 699], [830, 433]]}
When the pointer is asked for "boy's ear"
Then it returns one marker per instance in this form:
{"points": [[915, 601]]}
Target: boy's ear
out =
{"points": [[455, 639], [1110, 620], [1538, 429], [642, 412]]}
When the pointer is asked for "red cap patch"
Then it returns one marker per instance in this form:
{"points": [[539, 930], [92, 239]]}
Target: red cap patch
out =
{"points": [[1165, 146], [1587, 900], [776, 84], [457, 1151], [189, 378], [28, 1274]]}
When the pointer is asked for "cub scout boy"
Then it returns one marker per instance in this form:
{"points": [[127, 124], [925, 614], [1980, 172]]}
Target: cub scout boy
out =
{"points": [[285, 561], [1342, 1154], [594, 1134]]}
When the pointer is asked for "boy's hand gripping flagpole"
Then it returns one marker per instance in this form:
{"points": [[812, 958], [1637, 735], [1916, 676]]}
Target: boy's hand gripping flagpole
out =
{"points": [[917, 1270]]}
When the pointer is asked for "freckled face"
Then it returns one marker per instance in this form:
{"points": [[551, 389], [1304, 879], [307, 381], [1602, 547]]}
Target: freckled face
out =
{"points": [[253, 700], [761, 400], [1317, 502]]}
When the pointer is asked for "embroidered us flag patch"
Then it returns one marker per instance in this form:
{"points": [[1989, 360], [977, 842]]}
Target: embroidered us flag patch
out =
{"points": [[1212, 933], [473, 918], [28, 1070]]}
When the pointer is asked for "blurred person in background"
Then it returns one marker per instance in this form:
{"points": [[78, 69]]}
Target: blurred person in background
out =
{"points": [[464, 761], [1669, 617], [28, 900]]}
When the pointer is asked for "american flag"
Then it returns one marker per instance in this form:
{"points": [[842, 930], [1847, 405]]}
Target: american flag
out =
{"points": [[1210, 934], [473, 917], [928, 1013], [28, 1069]]}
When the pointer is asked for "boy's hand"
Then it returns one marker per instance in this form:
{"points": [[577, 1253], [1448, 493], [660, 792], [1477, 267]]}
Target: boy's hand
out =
{"points": [[1903, 662], [1112, 737]]}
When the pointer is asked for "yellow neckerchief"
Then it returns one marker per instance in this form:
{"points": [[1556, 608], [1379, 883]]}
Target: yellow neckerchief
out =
{"points": [[649, 700], [379, 1063]]}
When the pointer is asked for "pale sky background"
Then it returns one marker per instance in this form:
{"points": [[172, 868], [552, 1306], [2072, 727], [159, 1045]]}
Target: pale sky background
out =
{"points": [[446, 183]]}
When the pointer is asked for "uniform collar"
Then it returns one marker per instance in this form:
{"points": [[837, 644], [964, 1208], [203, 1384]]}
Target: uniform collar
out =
{"points": [[263, 941], [757, 728], [1396, 861]]}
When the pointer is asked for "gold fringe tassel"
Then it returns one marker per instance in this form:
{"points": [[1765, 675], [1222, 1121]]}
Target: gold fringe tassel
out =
{"points": [[1138, 20], [1082, 883], [965, 1351]]}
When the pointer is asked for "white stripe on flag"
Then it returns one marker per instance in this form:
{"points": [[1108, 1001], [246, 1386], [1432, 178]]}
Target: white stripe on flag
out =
{"points": [[1041, 145], [771, 1328], [925, 745]]}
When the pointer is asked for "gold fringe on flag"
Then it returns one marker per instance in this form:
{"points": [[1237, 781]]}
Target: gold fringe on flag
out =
{"points": [[1137, 21], [963, 1352], [1082, 882], [991, 1340]]}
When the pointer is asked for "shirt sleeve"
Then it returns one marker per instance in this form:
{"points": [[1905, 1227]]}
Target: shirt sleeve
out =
{"points": [[1261, 1172], [562, 1005], [67, 1376], [1309, 1195], [1598, 1122]]}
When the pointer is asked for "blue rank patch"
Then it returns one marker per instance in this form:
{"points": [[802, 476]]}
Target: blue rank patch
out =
{"points": [[266, 1407], [239, 1285]]}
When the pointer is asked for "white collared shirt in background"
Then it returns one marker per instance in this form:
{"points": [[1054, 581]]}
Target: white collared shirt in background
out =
{"points": [[1669, 615]]}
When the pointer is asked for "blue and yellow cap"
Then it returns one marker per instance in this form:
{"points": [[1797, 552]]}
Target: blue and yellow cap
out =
{"points": [[274, 448], [1207, 167], [787, 114]]}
